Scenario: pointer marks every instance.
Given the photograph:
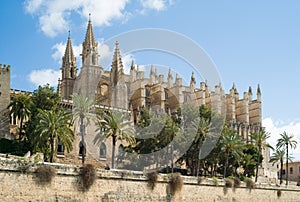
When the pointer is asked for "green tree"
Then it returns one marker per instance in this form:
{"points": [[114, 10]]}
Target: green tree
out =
{"points": [[116, 126], [203, 126], [232, 145], [20, 109], [284, 142], [83, 111], [260, 141], [169, 132], [43, 98], [54, 126]]}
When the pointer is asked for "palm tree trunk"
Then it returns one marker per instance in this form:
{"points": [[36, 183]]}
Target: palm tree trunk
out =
{"points": [[226, 164], [20, 132], [172, 158], [52, 149], [113, 152], [257, 164], [287, 164], [281, 167], [82, 139]]}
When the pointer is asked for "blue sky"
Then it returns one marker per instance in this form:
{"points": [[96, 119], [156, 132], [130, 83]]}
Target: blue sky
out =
{"points": [[250, 42]]}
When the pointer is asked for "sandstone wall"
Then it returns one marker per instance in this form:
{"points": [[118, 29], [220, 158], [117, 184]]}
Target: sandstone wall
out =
{"points": [[18, 182]]}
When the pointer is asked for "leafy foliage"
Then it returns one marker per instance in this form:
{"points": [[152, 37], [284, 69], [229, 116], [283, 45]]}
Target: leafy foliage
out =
{"points": [[54, 126], [114, 124]]}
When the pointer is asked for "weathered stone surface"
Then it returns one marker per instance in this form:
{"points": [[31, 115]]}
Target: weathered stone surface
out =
{"points": [[123, 186]]}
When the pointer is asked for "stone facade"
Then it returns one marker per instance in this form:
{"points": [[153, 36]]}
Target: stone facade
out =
{"points": [[294, 171], [113, 89], [131, 92], [124, 186], [4, 100]]}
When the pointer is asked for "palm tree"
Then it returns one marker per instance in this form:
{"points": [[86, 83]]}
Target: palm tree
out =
{"points": [[231, 144], [170, 131], [83, 111], [115, 125], [20, 109], [286, 140], [54, 126], [259, 139], [203, 126], [279, 155]]}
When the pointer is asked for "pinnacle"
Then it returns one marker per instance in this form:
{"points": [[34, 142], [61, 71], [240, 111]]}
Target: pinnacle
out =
{"points": [[89, 40], [69, 54]]}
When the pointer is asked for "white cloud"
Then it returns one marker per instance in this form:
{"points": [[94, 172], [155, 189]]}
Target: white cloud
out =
{"points": [[154, 4], [127, 60], [54, 15], [59, 51], [44, 76], [105, 52], [275, 128], [33, 5]]}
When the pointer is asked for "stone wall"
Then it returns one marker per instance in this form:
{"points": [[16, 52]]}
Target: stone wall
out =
{"points": [[18, 182]]}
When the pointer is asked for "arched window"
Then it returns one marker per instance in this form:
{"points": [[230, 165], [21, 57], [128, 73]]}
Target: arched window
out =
{"points": [[102, 150], [60, 148], [120, 150], [81, 148], [147, 93], [72, 72]]}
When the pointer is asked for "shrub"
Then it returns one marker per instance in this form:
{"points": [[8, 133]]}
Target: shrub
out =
{"points": [[88, 176], [229, 183], [45, 174], [152, 179], [176, 183], [215, 181], [237, 182], [250, 184], [279, 193]]}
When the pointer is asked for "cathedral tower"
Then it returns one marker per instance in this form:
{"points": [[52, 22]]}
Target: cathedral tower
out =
{"points": [[117, 79], [4, 100], [68, 71]]}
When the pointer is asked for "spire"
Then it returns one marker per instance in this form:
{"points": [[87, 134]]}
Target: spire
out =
{"points": [[89, 40], [117, 65], [68, 71], [69, 57], [132, 65], [193, 82], [258, 90], [152, 75], [250, 90], [89, 46], [170, 78]]}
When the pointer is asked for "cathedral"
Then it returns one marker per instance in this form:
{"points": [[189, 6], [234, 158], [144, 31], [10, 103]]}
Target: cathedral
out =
{"points": [[129, 93]]}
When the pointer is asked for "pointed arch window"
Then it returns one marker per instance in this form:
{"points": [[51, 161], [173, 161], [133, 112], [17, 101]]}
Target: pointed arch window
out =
{"points": [[102, 150], [81, 148]]}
